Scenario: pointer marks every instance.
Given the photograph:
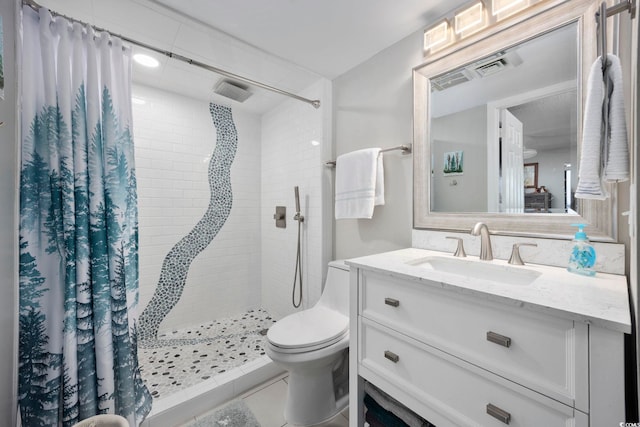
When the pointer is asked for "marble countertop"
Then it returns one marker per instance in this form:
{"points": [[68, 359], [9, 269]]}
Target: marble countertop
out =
{"points": [[601, 300]]}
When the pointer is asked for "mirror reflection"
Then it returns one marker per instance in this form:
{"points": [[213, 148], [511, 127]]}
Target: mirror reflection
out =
{"points": [[504, 129]]}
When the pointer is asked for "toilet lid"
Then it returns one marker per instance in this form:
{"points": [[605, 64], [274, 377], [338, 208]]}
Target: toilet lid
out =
{"points": [[317, 327]]}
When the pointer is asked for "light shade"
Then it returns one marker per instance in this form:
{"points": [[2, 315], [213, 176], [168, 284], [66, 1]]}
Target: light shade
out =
{"points": [[437, 36], [499, 7], [146, 60], [470, 19]]}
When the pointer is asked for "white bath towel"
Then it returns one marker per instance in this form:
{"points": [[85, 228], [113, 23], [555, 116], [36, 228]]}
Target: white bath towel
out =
{"points": [[359, 183], [597, 149]]}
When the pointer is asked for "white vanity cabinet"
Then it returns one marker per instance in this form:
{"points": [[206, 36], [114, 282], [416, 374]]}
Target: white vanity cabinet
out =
{"points": [[469, 353]]}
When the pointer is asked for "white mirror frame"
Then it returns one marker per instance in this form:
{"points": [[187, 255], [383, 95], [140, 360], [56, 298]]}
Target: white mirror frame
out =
{"points": [[538, 19]]}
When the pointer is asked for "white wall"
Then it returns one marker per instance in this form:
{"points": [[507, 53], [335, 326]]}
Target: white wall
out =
{"points": [[373, 108], [174, 139], [288, 159], [8, 220]]}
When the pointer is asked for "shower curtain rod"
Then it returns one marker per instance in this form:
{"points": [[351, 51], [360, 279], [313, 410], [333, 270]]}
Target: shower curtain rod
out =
{"points": [[315, 102]]}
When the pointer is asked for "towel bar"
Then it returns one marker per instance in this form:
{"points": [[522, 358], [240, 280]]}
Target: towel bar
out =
{"points": [[406, 149]]}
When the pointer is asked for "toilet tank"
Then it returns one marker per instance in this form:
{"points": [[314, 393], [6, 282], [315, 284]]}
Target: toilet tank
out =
{"points": [[335, 294]]}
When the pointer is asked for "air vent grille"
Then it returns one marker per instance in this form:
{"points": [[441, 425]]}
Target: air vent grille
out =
{"points": [[449, 80], [232, 90], [491, 68]]}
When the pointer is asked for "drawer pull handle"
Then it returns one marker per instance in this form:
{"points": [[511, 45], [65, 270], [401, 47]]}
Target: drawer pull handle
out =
{"points": [[391, 356], [498, 413], [499, 339], [392, 302]]}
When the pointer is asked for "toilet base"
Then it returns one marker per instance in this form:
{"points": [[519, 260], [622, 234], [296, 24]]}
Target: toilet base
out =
{"points": [[311, 395]]}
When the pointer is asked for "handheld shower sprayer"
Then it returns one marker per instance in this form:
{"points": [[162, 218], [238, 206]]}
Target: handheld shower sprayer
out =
{"points": [[297, 217], [298, 273]]}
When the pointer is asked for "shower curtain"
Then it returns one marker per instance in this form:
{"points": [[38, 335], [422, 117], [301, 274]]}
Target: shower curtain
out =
{"points": [[78, 228]]}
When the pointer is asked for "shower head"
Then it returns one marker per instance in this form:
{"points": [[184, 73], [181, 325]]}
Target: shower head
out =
{"points": [[232, 90], [297, 196]]}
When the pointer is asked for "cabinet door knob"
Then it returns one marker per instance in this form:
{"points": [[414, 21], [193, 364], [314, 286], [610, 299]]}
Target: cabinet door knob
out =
{"points": [[499, 339], [392, 302], [498, 413], [391, 356]]}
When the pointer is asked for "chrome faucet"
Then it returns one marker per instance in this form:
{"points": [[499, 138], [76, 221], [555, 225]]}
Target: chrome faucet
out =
{"points": [[481, 229]]}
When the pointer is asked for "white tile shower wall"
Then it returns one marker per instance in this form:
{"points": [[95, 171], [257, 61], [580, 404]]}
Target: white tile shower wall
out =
{"points": [[295, 144], [174, 139]]}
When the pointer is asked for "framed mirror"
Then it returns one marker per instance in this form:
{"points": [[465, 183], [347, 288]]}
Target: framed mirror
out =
{"points": [[497, 128]]}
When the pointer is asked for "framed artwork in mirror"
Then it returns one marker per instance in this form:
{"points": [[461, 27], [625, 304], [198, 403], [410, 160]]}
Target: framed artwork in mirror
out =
{"points": [[453, 163], [531, 175]]}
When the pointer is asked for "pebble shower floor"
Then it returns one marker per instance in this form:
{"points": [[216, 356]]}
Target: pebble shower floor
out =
{"points": [[185, 357]]}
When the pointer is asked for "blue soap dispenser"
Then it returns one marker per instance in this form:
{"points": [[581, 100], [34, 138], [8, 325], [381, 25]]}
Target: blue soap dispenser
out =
{"points": [[583, 254]]}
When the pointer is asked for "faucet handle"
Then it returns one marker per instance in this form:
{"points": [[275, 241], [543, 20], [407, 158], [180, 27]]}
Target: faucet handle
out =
{"points": [[460, 249], [515, 253]]}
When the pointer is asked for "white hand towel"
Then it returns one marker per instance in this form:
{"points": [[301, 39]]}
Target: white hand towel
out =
{"points": [[359, 183], [617, 159]]}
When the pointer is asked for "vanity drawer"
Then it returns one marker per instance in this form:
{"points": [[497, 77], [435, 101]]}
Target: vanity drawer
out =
{"points": [[448, 391], [544, 353]]}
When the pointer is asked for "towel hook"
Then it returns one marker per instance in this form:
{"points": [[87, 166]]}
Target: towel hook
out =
{"points": [[602, 29], [601, 21]]}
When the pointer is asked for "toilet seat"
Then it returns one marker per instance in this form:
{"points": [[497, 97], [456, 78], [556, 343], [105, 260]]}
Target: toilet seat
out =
{"points": [[308, 330]]}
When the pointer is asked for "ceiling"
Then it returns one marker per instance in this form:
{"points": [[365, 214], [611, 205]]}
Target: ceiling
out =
{"points": [[328, 37], [289, 44]]}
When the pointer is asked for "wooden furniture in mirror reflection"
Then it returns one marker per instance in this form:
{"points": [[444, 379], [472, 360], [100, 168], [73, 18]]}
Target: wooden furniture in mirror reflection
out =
{"points": [[537, 202]]}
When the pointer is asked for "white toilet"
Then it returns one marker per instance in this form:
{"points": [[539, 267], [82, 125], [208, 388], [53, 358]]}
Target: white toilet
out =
{"points": [[313, 345]]}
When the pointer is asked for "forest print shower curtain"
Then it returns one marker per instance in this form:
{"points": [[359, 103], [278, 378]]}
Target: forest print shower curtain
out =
{"points": [[78, 228]]}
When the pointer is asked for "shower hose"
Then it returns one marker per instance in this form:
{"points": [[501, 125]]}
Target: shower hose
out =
{"points": [[298, 273]]}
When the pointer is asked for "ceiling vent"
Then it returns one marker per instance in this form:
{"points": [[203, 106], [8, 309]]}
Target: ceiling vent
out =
{"points": [[453, 78], [493, 67], [232, 90], [495, 64], [477, 70]]}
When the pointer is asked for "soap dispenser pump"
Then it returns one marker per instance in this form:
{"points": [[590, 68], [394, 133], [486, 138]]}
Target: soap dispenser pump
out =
{"points": [[583, 254]]}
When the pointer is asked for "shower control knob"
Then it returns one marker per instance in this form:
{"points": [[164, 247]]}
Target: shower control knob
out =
{"points": [[281, 217]]}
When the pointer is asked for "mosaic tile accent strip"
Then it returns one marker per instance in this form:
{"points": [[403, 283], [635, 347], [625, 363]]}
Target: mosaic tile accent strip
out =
{"points": [[175, 266], [186, 357]]}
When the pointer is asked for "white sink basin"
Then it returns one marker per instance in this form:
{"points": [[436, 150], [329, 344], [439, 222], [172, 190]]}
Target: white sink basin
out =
{"points": [[483, 270]]}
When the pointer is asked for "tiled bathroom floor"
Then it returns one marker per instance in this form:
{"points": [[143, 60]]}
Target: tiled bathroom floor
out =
{"points": [[267, 404], [185, 357]]}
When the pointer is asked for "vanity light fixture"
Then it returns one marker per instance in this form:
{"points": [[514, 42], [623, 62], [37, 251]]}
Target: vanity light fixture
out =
{"points": [[502, 8], [471, 19], [146, 60], [437, 37]]}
